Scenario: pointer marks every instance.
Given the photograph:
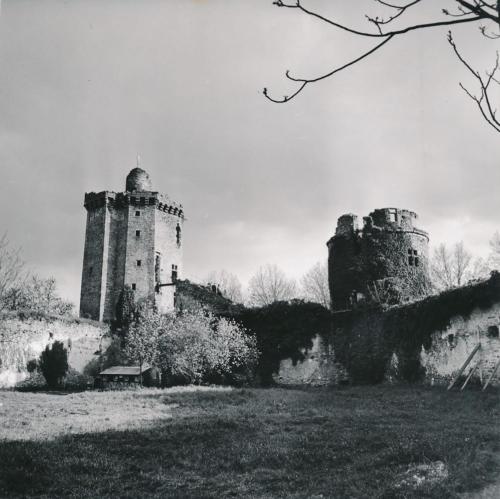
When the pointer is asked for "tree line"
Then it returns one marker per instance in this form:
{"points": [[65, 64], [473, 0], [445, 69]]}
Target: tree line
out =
{"points": [[449, 266], [21, 289]]}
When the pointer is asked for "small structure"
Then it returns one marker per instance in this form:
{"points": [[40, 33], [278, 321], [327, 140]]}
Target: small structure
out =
{"points": [[128, 375]]}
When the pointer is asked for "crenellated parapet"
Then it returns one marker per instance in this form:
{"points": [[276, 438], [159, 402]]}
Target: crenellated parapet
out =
{"points": [[119, 200], [392, 220]]}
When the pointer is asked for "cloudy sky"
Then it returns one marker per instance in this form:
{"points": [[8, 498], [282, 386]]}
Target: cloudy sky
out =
{"points": [[86, 85]]}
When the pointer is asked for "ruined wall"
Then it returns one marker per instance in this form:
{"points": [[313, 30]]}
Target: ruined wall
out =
{"points": [[388, 247], [191, 297], [451, 347], [424, 341], [318, 368], [24, 339]]}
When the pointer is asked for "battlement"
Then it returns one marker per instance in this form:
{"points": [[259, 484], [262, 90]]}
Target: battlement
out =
{"points": [[381, 219], [119, 200], [392, 219], [347, 225]]}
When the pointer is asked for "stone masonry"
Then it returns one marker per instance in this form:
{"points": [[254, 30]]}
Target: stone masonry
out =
{"points": [[133, 238], [388, 251]]}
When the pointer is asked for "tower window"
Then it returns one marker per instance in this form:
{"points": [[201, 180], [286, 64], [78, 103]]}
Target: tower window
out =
{"points": [[133, 286], [152, 200], [91, 269], [139, 263], [178, 234], [132, 200], [413, 257], [143, 200], [137, 233], [174, 273], [393, 216], [137, 213]]}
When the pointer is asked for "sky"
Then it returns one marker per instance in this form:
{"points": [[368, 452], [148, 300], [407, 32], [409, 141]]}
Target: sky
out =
{"points": [[86, 85]]}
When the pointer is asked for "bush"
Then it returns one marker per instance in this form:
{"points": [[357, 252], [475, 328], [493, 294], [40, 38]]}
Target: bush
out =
{"points": [[193, 347], [32, 365], [53, 364], [198, 347]]}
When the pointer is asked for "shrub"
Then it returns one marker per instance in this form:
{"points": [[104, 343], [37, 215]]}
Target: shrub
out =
{"points": [[54, 363], [192, 347], [32, 365]]}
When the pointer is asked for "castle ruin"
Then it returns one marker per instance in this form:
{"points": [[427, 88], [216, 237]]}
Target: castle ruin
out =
{"points": [[133, 238], [385, 260]]}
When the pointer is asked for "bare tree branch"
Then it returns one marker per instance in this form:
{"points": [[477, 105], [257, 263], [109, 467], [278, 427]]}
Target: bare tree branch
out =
{"points": [[468, 11], [483, 101], [11, 269]]}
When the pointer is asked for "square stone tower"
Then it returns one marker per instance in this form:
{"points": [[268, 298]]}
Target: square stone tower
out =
{"points": [[133, 238]]}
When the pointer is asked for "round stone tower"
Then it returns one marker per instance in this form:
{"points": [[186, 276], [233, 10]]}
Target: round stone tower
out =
{"points": [[384, 261]]}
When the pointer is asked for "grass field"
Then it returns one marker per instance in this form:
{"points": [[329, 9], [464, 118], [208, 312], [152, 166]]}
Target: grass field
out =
{"points": [[350, 442]]}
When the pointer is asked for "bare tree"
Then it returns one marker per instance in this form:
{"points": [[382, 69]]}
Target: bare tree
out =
{"points": [[270, 284], [11, 270], [455, 267], [228, 283], [315, 284], [391, 26], [38, 294]]}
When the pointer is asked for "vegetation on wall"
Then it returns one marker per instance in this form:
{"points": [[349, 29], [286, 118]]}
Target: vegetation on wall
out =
{"points": [[284, 330], [366, 339]]}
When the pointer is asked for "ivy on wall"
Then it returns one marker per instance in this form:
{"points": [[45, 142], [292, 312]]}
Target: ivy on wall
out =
{"points": [[284, 330], [365, 340]]}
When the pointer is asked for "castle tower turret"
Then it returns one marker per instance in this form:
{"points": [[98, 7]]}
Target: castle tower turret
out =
{"points": [[133, 238], [389, 255]]}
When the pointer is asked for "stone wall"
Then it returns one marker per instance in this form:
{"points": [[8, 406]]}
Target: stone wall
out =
{"points": [[115, 244], [93, 260], [451, 347], [24, 339], [141, 247], [318, 368], [424, 341], [191, 297], [168, 248]]}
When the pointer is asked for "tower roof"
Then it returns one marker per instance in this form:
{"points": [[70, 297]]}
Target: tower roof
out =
{"points": [[138, 180]]}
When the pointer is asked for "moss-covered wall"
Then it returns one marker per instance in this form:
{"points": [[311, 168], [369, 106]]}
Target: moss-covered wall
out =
{"points": [[424, 341], [412, 342]]}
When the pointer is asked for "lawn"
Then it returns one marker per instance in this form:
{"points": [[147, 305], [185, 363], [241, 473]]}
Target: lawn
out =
{"points": [[348, 442]]}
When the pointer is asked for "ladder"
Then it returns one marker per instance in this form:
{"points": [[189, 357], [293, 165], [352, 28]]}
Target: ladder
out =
{"points": [[492, 375], [464, 366]]}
